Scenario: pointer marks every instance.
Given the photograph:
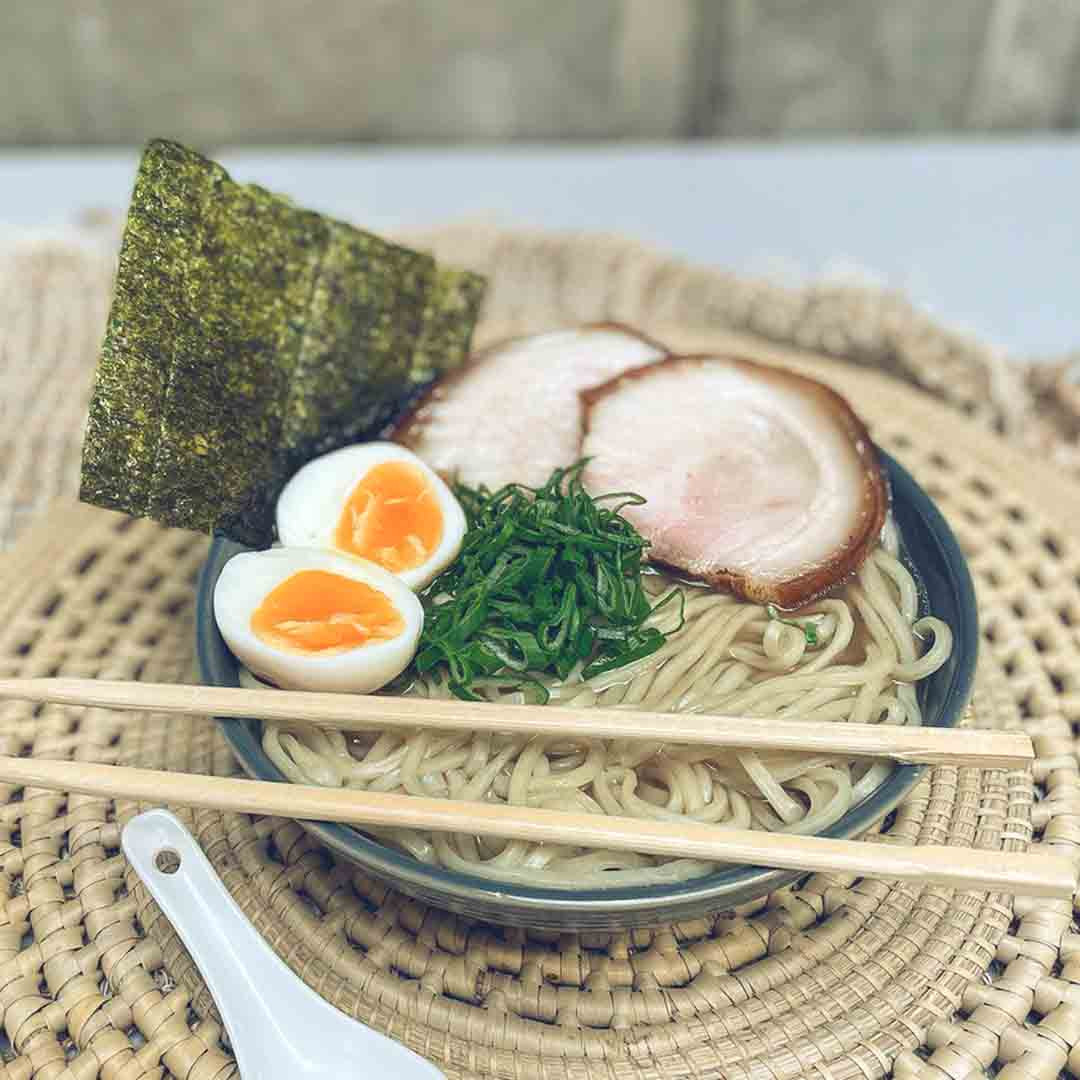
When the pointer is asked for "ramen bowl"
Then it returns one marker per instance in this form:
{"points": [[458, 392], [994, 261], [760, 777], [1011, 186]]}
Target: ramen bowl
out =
{"points": [[931, 553]]}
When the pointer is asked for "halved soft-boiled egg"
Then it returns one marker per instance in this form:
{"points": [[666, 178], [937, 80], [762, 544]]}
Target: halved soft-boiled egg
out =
{"points": [[310, 619], [375, 501]]}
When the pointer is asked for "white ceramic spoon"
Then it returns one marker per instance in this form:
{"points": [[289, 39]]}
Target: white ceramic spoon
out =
{"points": [[279, 1027]]}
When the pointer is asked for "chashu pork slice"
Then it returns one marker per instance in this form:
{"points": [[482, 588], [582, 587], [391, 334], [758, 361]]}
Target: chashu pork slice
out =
{"points": [[514, 412], [756, 478]]}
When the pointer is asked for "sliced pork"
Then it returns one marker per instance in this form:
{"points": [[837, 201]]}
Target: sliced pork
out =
{"points": [[756, 478], [514, 412]]}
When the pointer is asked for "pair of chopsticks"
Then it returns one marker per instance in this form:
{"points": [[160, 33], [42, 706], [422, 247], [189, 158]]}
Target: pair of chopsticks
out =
{"points": [[1030, 874]]}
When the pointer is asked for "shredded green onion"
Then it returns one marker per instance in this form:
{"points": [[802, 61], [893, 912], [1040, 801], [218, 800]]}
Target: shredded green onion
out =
{"points": [[808, 626], [548, 580]]}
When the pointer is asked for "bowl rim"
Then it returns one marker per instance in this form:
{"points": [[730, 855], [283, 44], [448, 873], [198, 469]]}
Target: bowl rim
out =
{"points": [[405, 872]]}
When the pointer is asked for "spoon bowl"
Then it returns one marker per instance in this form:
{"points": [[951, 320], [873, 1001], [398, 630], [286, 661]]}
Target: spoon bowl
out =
{"points": [[278, 1026]]}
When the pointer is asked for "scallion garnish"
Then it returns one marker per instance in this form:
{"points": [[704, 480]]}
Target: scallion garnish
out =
{"points": [[807, 627], [548, 580]]}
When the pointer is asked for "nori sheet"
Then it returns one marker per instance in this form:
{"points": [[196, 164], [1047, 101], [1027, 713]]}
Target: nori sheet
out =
{"points": [[454, 300], [369, 301], [247, 335], [148, 322], [231, 391]]}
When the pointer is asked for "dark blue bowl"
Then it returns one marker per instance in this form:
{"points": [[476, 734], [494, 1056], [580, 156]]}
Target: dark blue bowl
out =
{"points": [[935, 558]]}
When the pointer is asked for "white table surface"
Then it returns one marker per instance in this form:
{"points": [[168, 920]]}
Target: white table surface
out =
{"points": [[982, 234]]}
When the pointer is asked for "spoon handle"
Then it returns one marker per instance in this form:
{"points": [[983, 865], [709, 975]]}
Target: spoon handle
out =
{"points": [[279, 1027]]}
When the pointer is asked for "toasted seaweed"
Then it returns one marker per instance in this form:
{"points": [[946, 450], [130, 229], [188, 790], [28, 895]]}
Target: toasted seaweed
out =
{"points": [[370, 301], [225, 402], [455, 299], [147, 323], [247, 335]]}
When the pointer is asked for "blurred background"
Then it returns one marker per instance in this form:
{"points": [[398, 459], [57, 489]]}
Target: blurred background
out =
{"points": [[923, 146], [113, 72]]}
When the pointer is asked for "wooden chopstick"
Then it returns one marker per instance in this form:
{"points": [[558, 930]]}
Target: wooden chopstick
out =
{"points": [[954, 867], [354, 712]]}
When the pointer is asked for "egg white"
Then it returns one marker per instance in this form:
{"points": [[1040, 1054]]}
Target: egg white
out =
{"points": [[312, 502], [247, 579]]}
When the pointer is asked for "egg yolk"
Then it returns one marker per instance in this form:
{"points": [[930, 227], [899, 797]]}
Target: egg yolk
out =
{"points": [[315, 611], [392, 518]]}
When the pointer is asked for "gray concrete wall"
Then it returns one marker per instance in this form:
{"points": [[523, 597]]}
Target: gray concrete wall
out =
{"points": [[213, 71]]}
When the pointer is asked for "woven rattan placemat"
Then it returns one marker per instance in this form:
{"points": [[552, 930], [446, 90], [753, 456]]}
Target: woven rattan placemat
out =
{"points": [[833, 979]]}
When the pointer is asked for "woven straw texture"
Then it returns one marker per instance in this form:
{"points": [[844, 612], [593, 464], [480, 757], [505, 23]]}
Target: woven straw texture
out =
{"points": [[833, 979]]}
